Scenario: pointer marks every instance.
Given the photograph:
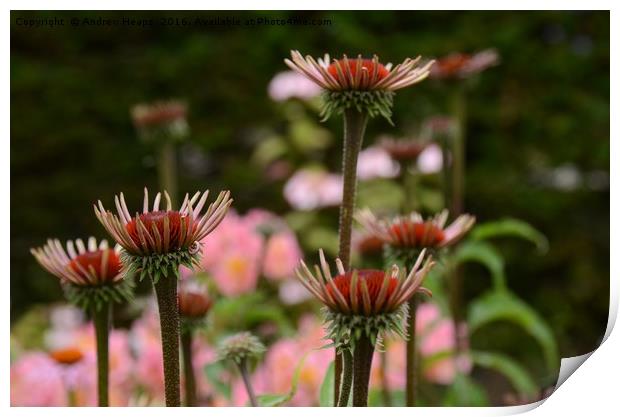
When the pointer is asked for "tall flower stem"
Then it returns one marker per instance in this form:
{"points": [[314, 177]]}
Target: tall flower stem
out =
{"points": [[188, 368], [385, 388], [412, 356], [167, 169], [458, 152], [362, 363], [459, 108], [166, 291], [243, 370], [101, 319], [347, 378], [354, 127]]}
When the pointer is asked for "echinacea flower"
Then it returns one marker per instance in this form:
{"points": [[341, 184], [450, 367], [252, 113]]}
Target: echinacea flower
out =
{"points": [[364, 84], [37, 381], [67, 356], [289, 84], [375, 162], [193, 304], [414, 232], [157, 240], [365, 301], [193, 308], [240, 347], [155, 243], [402, 150], [309, 189], [90, 273], [160, 118], [461, 65]]}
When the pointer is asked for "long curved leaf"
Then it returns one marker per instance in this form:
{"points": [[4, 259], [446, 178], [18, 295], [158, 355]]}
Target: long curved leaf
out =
{"points": [[503, 305], [485, 254], [520, 379], [465, 392], [275, 400], [326, 394], [511, 227]]}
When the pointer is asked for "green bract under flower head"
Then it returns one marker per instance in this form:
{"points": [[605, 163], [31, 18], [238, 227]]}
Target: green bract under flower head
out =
{"points": [[363, 84], [240, 347], [364, 302], [89, 273], [156, 241]]}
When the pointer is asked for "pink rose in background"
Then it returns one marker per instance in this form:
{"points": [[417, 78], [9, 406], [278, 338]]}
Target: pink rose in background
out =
{"points": [[374, 162], [290, 84], [36, 381], [282, 255]]}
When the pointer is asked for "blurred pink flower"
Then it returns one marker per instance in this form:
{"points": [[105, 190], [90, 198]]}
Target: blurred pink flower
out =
{"points": [[231, 253], [282, 255], [275, 375], [146, 344], [236, 272], [430, 160], [293, 292], [289, 84], [36, 381], [436, 335], [375, 162], [309, 189]]}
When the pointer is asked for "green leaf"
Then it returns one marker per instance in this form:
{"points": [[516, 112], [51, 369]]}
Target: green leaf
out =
{"points": [[275, 400], [503, 305], [485, 254], [213, 372], [511, 227], [514, 372], [326, 394], [464, 392], [272, 400]]}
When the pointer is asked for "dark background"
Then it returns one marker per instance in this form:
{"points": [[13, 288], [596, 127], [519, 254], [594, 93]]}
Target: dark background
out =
{"points": [[546, 106]]}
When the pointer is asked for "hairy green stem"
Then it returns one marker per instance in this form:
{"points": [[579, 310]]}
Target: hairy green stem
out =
{"points": [[188, 368], [167, 169], [458, 153], [337, 376], [362, 364], [166, 291], [243, 370], [457, 204], [347, 378], [385, 388], [354, 127], [412, 356], [101, 319]]}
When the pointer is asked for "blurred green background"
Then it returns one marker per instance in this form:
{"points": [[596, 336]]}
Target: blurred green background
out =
{"points": [[538, 131]]}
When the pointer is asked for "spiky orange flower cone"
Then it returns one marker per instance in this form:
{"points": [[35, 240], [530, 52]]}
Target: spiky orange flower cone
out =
{"points": [[359, 83]]}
